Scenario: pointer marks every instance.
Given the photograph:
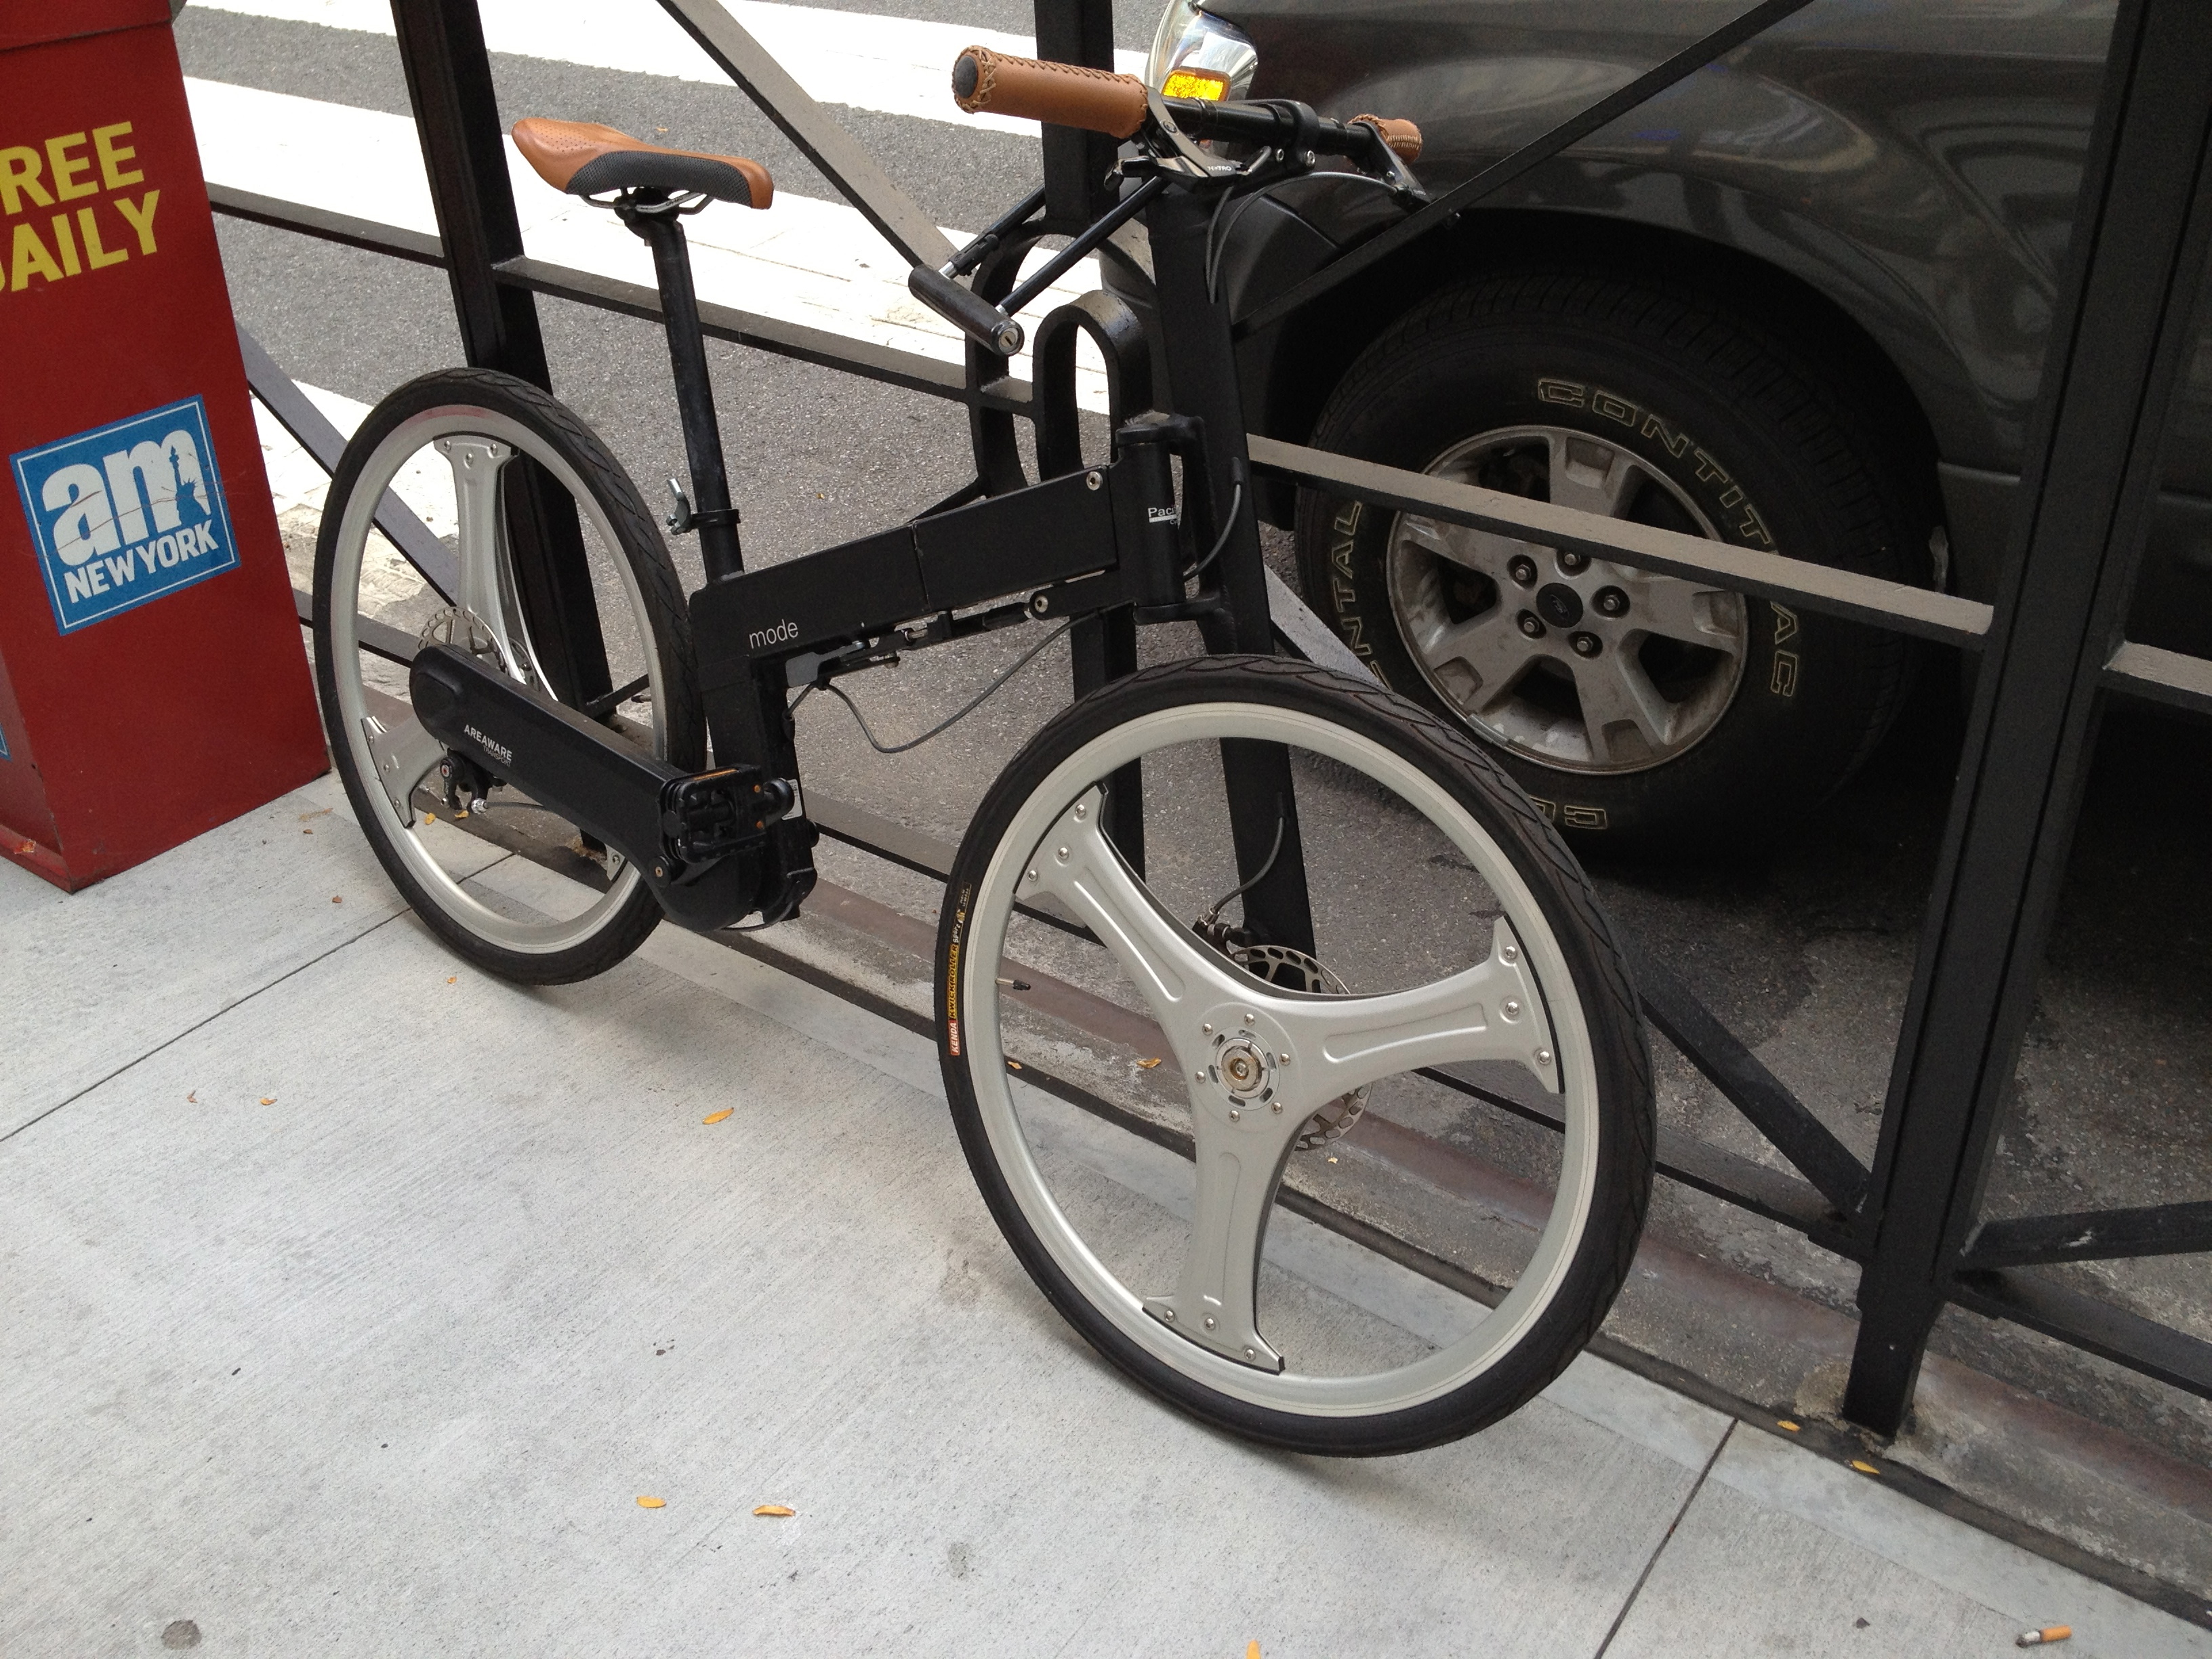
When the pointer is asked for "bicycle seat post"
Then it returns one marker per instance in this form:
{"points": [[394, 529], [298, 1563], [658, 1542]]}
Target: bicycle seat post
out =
{"points": [[716, 520]]}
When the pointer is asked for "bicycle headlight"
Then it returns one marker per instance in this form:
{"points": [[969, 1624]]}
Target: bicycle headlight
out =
{"points": [[1195, 55]]}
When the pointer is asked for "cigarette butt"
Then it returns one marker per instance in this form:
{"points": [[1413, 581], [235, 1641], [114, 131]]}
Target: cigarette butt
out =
{"points": [[716, 1117], [776, 1509], [653, 1503], [1785, 1423], [2036, 1638], [1864, 1468]]}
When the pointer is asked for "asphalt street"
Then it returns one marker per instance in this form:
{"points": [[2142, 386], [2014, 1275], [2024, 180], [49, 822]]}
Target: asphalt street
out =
{"points": [[1804, 949]]}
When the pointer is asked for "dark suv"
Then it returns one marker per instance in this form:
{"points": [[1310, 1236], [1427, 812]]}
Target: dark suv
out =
{"points": [[1799, 301]]}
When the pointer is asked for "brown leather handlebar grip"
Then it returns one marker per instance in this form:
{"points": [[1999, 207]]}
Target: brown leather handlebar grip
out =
{"points": [[1066, 94], [1403, 137]]}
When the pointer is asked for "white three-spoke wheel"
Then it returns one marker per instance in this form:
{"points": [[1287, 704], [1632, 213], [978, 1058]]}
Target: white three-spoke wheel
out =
{"points": [[454, 446], [1461, 1018]]}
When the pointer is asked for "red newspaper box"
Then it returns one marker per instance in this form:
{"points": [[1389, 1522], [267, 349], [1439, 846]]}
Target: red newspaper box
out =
{"points": [[152, 680]]}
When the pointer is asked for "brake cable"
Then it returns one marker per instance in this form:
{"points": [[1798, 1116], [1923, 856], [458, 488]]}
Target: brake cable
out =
{"points": [[949, 720], [1209, 924]]}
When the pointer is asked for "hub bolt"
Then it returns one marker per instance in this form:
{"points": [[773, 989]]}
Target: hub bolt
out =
{"points": [[1523, 570], [1574, 563], [1587, 645], [1530, 625], [1610, 602]]}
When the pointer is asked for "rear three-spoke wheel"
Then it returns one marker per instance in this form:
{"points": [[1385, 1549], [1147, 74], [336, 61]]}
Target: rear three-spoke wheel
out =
{"points": [[597, 623], [1355, 1192]]}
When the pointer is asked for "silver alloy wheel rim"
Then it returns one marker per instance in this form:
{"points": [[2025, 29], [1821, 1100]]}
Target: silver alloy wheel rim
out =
{"points": [[1481, 664], [398, 446], [1495, 1335]]}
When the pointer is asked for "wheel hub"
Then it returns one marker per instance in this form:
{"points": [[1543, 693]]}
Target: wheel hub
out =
{"points": [[1295, 970], [1559, 605], [1241, 1067]]}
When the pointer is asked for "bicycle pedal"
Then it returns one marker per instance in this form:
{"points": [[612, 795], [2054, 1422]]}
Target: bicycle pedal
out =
{"points": [[713, 814]]}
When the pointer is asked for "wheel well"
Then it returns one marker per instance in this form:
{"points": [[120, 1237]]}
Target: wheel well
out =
{"points": [[1315, 350]]}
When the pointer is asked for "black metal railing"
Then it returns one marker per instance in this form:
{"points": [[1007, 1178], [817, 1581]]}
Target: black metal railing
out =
{"points": [[2050, 645]]}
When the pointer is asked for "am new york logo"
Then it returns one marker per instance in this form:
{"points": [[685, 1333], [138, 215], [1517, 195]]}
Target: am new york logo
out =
{"points": [[126, 512]]}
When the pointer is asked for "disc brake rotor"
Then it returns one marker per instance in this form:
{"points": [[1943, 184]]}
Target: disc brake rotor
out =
{"points": [[1294, 970]]}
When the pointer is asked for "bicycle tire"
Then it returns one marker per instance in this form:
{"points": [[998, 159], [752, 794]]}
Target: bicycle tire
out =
{"points": [[625, 557], [1546, 911]]}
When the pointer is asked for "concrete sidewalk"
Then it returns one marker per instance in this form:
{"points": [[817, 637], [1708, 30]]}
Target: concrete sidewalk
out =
{"points": [[351, 1300]]}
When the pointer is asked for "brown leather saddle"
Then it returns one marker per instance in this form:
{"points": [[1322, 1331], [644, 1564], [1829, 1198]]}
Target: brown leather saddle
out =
{"points": [[585, 159]]}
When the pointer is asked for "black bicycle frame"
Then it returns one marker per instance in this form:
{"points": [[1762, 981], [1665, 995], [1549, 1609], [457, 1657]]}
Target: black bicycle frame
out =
{"points": [[1110, 546]]}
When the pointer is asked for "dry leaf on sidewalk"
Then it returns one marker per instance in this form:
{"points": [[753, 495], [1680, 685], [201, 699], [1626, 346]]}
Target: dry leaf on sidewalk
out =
{"points": [[716, 1117], [775, 1510]]}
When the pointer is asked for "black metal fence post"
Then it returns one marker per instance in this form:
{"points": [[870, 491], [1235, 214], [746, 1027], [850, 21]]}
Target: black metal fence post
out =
{"points": [[1075, 161], [2137, 262], [442, 47]]}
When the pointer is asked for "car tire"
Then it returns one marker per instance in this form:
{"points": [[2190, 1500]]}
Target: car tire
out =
{"points": [[1538, 381]]}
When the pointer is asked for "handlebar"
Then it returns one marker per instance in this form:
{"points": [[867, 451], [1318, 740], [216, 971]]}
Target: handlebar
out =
{"points": [[1068, 95]]}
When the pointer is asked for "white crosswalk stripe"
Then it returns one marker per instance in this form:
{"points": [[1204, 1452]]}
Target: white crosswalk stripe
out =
{"points": [[898, 65]]}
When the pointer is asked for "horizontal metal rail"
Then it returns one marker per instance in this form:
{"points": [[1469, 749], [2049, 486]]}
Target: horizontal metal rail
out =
{"points": [[1846, 593], [2160, 676], [2091, 1235], [2100, 1328], [418, 247]]}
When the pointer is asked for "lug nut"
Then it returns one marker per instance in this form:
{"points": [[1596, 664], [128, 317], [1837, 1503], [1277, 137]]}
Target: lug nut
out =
{"points": [[1523, 570], [1530, 625], [1574, 563], [1610, 602], [1587, 645]]}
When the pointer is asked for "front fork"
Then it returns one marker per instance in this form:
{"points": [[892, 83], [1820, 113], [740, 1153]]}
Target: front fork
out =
{"points": [[1200, 350]]}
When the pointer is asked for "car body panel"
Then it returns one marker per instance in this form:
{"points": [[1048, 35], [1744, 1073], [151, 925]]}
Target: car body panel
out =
{"points": [[1913, 162]]}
